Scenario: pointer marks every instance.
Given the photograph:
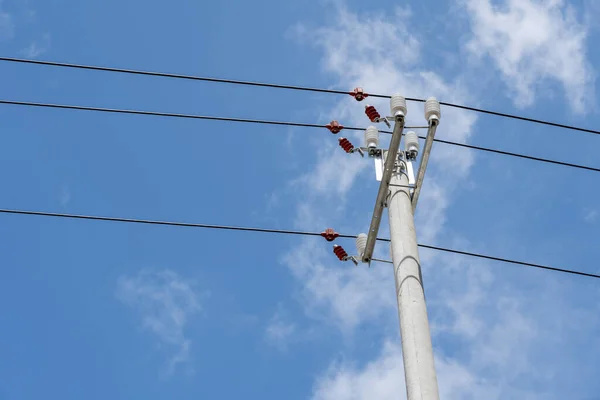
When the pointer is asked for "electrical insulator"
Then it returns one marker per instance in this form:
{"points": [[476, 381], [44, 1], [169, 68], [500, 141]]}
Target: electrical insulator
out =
{"points": [[346, 145], [432, 109], [329, 234], [359, 94], [398, 105], [372, 137], [334, 127], [340, 252], [411, 145], [372, 113], [361, 244]]}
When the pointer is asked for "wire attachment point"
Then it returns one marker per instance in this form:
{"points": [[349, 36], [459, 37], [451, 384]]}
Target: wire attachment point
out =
{"points": [[334, 127], [359, 94], [330, 234]]}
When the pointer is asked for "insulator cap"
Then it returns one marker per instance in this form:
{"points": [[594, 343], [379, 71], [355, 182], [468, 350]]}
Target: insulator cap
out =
{"points": [[340, 252], [359, 94], [372, 137], [432, 109], [411, 141], [398, 105], [361, 244], [372, 113], [330, 235], [334, 126], [346, 145]]}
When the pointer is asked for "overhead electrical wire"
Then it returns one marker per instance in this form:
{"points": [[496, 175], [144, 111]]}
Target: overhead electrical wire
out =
{"points": [[288, 87], [284, 232], [506, 260], [280, 123]]}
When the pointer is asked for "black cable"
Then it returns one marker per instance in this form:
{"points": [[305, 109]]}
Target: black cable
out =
{"points": [[281, 123], [278, 231], [289, 87], [165, 223], [505, 260], [176, 76], [518, 117], [524, 156], [158, 114]]}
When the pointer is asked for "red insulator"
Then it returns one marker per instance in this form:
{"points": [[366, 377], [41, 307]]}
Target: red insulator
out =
{"points": [[359, 94], [346, 145], [329, 234], [372, 114], [340, 252]]}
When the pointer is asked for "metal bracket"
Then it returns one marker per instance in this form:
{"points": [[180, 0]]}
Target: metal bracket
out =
{"points": [[378, 168], [388, 169], [424, 160], [411, 176]]}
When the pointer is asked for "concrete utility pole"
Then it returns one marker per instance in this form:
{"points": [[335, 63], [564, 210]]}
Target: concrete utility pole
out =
{"points": [[399, 191], [419, 368]]}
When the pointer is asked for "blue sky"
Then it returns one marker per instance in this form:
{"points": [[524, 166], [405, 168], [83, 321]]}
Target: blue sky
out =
{"points": [[103, 310]]}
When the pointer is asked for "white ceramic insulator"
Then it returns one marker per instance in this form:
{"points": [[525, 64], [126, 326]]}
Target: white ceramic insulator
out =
{"points": [[372, 137], [411, 142], [398, 105], [432, 109], [361, 244]]}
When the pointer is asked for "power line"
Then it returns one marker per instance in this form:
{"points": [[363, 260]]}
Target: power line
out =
{"points": [[280, 123], [506, 260], [165, 223], [177, 76], [283, 232], [159, 114], [289, 87]]}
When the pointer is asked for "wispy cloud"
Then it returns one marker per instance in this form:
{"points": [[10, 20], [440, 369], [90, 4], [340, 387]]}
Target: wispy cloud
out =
{"points": [[355, 50], [591, 216], [522, 37], [37, 48], [495, 343], [164, 302], [7, 25], [65, 196], [499, 343], [280, 329], [338, 295], [381, 379]]}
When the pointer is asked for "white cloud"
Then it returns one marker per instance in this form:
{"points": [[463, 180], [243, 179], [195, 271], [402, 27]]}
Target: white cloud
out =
{"points": [[279, 329], [380, 379], [65, 196], [361, 51], [37, 48], [495, 343], [499, 340], [7, 26], [591, 216], [340, 294], [164, 302], [532, 42]]}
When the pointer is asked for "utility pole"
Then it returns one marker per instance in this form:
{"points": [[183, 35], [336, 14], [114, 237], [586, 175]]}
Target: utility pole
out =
{"points": [[399, 192], [417, 352]]}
